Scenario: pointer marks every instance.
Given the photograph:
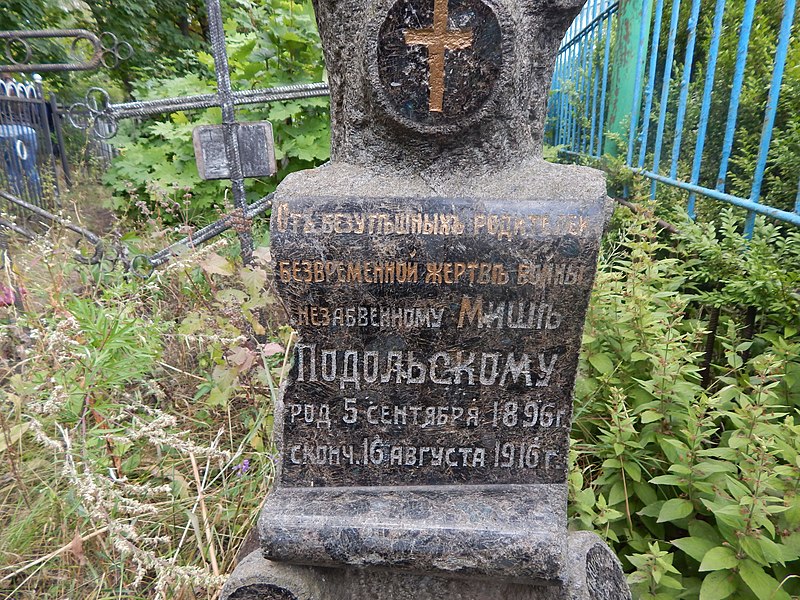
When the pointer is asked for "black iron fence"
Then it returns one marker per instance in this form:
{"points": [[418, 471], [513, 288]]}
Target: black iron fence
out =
{"points": [[29, 144]]}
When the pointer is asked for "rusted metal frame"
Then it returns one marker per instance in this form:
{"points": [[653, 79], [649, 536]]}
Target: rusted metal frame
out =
{"points": [[240, 98], [48, 142], [57, 116], [24, 67], [229, 125], [93, 239], [143, 265]]}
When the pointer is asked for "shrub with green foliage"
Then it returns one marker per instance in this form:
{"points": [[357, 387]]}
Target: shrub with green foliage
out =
{"points": [[694, 486]]}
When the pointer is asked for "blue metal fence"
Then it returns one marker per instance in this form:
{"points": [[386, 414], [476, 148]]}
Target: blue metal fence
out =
{"points": [[583, 89], [576, 111]]}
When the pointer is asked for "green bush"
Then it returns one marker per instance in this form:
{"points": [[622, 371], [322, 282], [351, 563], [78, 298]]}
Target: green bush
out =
{"points": [[695, 486]]}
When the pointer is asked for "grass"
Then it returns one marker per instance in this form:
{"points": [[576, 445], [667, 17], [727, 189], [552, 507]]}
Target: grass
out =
{"points": [[135, 452]]}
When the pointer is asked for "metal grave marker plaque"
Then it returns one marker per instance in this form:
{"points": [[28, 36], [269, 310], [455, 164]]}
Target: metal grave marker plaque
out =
{"points": [[256, 150]]}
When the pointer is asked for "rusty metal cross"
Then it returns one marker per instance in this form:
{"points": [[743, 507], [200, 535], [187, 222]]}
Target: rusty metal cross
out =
{"points": [[438, 40]]}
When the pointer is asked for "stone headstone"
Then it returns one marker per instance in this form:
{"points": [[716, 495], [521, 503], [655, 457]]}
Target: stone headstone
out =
{"points": [[438, 273]]}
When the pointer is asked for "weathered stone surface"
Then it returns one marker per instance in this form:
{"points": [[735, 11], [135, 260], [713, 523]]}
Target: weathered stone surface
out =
{"points": [[373, 127], [591, 573], [440, 528], [433, 74], [438, 273], [438, 337], [445, 530]]}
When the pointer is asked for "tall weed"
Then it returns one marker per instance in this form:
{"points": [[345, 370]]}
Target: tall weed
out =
{"points": [[695, 485]]}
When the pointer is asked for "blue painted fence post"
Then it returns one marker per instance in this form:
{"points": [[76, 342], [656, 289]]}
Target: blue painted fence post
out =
{"points": [[633, 33]]}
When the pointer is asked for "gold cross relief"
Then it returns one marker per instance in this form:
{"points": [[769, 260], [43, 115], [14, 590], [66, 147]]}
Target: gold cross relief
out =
{"points": [[438, 40]]}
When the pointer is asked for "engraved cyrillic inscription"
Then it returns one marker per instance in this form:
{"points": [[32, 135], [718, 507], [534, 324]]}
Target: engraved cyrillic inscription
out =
{"points": [[377, 452], [435, 339], [455, 367], [503, 225], [382, 317], [513, 315], [334, 271]]}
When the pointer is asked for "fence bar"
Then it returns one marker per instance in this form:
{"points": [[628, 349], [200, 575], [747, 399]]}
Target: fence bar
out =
{"points": [[591, 80], [586, 66], [637, 85], [684, 94], [606, 54], [797, 200], [662, 110], [62, 148], [555, 100], [564, 105], [573, 108], [772, 107], [736, 91], [567, 122], [588, 63], [651, 84], [705, 108], [572, 38], [562, 115], [45, 131], [559, 94], [586, 69], [762, 209]]}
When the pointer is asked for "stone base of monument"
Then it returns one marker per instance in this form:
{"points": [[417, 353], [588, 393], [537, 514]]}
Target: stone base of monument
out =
{"points": [[358, 517], [509, 532], [592, 573]]}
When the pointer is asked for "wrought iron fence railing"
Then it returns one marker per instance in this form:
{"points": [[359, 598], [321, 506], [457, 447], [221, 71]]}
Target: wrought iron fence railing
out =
{"points": [[628, 82], [27, 150]]}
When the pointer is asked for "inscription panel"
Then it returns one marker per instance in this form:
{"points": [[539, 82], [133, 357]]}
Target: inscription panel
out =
{"points": [[256, 150], [438, 339]]}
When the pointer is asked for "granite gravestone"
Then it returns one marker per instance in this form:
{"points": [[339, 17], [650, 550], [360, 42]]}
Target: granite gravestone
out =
{"points": [[438, 273]]}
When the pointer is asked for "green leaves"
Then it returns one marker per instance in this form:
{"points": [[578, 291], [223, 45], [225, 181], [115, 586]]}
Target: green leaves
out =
{"points": [[674, 510], [761, 584], [719, 558], [601, 362], [717, 466], [695, 547], [654, 570], [718, 585]]}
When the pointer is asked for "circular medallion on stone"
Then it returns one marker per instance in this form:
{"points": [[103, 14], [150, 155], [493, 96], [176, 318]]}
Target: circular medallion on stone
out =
{"points": [[439, 61]]}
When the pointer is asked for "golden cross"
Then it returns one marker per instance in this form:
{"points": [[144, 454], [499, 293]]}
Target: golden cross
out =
{"points": [[438, 40]]}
